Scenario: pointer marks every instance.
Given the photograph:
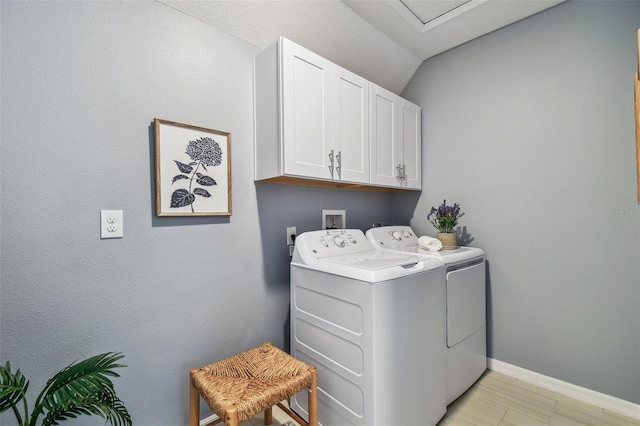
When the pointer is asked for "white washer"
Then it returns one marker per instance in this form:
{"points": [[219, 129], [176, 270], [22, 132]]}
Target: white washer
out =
{"points": [[466, 303], [372, 323]]}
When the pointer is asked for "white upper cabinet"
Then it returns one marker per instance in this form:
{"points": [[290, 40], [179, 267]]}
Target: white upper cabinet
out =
{"points": [[410, 121], [306, 112], [313, 120], [350, 126], [396, 140], [311, 117], [384, 137]]}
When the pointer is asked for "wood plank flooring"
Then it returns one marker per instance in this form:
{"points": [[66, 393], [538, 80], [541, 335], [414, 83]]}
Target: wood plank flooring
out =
{"points": [[500, 400]]}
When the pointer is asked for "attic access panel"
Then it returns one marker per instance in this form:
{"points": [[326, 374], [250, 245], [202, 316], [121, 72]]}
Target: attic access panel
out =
{"points": [[425, 15], [427, 11]]}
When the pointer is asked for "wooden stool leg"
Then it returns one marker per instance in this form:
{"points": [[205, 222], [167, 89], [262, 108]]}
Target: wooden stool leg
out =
{"points": [[194, 405], [313, 398], [231, 416], [268, 416]]}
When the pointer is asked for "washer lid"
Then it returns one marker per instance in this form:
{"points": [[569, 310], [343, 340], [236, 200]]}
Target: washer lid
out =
{"points": [[349, 253], [374, 260]]}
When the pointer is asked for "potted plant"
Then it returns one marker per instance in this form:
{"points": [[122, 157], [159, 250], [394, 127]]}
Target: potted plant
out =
{"points": [[444, 219], [80, 388]]}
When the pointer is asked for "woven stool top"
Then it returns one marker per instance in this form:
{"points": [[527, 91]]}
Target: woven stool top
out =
{"points": [[252, 381]]}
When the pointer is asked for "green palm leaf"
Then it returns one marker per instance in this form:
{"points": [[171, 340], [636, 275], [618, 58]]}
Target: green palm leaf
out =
{"points": [[105, 405], [13, 388], [83, 388]]}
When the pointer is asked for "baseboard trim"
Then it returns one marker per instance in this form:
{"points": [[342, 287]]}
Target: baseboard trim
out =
{"points": [[211, 420], [589, 396]]}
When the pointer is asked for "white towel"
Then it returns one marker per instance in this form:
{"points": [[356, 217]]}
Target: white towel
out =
{"points": [[429, 244]]}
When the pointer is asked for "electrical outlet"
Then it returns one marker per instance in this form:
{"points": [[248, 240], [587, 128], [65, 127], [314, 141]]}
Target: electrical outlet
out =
{"points": [[291, 235], [111, 224]]}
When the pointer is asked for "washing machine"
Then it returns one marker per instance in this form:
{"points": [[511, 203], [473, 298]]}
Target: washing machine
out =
{"points": [[372, 323], [465, 306]]}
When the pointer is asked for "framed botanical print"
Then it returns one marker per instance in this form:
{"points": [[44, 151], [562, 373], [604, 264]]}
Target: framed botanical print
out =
{"points": [[193, 170]]}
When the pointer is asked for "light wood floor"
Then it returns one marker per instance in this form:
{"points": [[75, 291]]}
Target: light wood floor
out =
{"points": [[500, 400]]}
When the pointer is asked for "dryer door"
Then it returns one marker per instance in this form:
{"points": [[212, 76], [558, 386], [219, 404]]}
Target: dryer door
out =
{"points": [[466, 304]]}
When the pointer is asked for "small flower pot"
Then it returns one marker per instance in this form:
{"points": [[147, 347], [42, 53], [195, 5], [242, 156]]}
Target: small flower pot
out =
{"points": [[448, 240]]}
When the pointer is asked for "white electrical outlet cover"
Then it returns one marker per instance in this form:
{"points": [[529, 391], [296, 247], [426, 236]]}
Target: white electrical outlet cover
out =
{"points": [[111, 224], [291, 230]]}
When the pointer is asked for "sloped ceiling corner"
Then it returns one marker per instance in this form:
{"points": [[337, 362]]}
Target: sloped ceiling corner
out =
{"points": [[383, 41], [327, 27]]}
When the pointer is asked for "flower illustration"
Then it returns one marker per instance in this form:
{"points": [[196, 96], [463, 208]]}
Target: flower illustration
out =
{"points": [[203, 152]]}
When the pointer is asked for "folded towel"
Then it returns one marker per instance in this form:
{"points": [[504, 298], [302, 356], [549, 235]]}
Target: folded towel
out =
{"points": [[429, 244]]}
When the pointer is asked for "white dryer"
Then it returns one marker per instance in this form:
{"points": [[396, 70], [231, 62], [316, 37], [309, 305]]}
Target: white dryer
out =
{"points": [[372, 323], [466, 303]]}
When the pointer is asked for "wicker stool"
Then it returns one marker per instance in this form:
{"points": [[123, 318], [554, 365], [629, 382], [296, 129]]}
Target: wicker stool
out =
{"points": [[239, 387]]}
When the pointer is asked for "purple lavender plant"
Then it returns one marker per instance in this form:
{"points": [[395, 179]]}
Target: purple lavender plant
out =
{"points": [[445, 218], [204, 152]]}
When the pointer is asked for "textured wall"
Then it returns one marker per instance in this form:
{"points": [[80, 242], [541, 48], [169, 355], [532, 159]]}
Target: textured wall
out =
{"points": [[81, 84], [329, 28], [531, 130]]}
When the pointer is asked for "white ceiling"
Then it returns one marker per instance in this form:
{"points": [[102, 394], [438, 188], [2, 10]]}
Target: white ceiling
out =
{"points": [[382, 40]]}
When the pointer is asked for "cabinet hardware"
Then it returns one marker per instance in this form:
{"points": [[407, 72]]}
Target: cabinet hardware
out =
{"points": [[331, 165]]}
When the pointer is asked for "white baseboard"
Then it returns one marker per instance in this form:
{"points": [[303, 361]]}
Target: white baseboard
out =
{"points": [[212, 418], [589, 396]]}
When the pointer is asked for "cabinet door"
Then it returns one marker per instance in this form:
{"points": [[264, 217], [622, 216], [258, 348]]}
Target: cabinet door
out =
{"points": [[306, 112], [411, 146], [350, 126], [383, 110]]}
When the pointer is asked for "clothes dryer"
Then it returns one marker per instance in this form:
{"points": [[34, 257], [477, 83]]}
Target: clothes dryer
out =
{"points": [[465, 305], [373, 324]]}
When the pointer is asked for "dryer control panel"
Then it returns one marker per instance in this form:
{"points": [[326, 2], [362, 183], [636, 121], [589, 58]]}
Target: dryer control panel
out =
{"points": [[391, 237]]}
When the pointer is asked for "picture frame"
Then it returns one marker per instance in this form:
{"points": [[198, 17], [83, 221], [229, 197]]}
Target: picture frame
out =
{"points": [[637, 105], [192, 170]]}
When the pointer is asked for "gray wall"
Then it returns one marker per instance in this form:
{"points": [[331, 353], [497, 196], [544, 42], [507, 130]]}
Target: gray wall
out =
{"points": [[81, 83], [531, 130]]}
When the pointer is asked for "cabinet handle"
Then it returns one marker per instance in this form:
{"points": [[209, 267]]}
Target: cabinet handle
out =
{"points": [[331, 165], [402, 174], [339, 166]]}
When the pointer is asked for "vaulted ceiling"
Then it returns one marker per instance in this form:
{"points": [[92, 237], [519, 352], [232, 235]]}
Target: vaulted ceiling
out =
{"points": [[382, 40]]}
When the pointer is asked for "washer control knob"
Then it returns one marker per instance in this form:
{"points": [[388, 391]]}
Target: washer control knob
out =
{"points": [[405, 234], [396, 235], [339, 241], [324, 242]]}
